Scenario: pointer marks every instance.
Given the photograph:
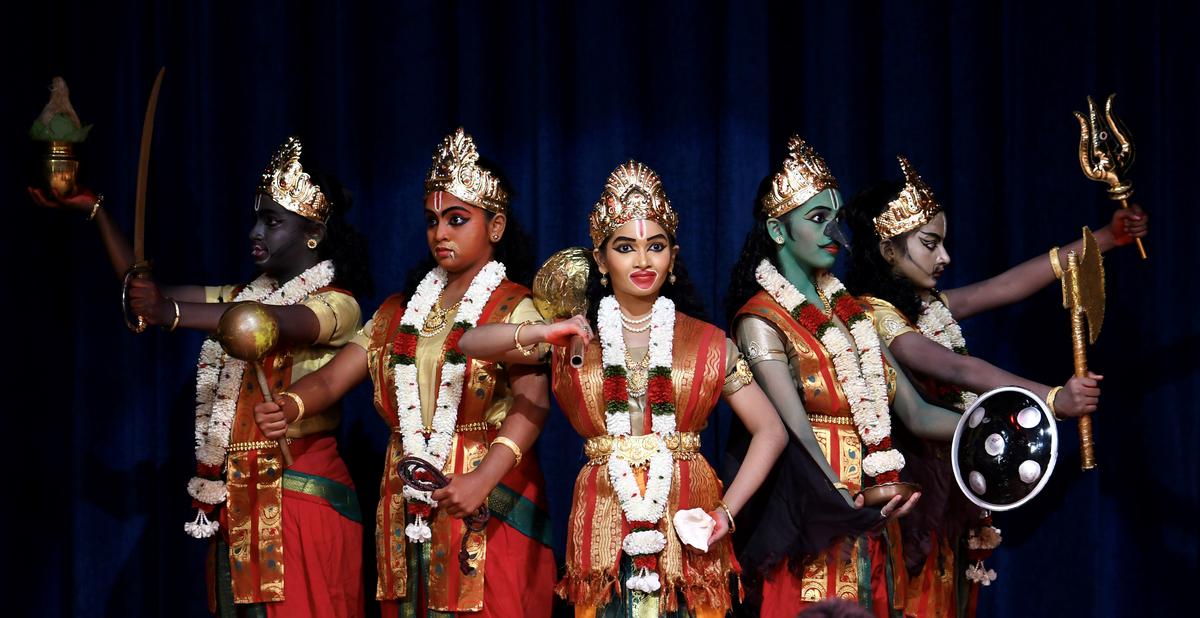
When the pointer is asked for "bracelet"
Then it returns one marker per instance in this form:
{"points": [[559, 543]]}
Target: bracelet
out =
{"points": [[511, 445], [96, 206], [1050, 401], [299, 404], [175, 322], [525, 350], [729, 514], [1058, 272]]}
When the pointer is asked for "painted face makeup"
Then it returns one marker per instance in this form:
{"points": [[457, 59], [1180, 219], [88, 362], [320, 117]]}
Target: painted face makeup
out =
{"points": [[278, 237], [638, 258], [457, 232], [806, 231], [923, 256]]}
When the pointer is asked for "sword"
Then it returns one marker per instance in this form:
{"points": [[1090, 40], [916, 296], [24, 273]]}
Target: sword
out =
{"points": [[141, 268]]}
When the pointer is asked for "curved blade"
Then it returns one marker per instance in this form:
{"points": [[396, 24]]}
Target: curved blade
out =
{"points": [[139, 222]]}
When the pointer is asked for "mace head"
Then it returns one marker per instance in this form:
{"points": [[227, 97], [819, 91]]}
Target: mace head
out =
{"points": [[248, 331], [560, 286]]}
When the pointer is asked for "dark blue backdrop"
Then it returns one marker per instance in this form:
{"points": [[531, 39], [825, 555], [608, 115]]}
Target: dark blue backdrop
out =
{"points": [[977, 94]]}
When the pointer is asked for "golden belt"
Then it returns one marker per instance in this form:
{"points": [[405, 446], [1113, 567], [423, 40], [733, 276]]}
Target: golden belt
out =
{"points": [[832, 420], [480, 426], [256, 445], [637, 450]]}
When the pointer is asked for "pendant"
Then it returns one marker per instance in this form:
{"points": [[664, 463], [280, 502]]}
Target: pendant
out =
{"points": [[434, 322], [636, 381]]}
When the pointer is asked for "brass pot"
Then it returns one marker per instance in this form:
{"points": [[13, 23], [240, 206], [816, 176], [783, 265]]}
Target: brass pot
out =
{"points": [[61, 167]]}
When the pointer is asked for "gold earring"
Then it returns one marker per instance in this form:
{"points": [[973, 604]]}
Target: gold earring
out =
{"points": [[495, 239], [312, 243], [671, 278], [604, 280]]}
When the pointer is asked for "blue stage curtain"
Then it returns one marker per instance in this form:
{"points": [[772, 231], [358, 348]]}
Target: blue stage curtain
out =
{"points": [[977, 94]]}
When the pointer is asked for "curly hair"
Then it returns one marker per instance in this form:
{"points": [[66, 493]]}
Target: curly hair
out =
{"points": [[515, 249], [757, 247], [868, 273], [683, 291], [344, 245]]}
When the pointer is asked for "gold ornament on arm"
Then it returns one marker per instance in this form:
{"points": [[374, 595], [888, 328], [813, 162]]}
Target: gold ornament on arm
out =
{"points": [[804, 174], [1106, 153], [914, 207], [633, 191], [285, 181], [455, 170]]}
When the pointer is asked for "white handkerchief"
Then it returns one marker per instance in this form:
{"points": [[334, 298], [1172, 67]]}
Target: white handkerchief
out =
{"points": [[694, 526]]}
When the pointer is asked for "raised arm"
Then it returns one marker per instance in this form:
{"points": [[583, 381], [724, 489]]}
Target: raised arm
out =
{"points": [[498, 342], [1021, 281], [924, 419]]}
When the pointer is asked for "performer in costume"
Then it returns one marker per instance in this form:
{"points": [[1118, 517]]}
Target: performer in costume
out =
{"points": [[899, 252], [641, 398], [814, 349], [473, 419], [288, 541]]}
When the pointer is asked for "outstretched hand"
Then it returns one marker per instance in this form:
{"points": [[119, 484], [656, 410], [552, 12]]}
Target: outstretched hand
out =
{"points": [[560, 333], [896, 508], [82, 200]]}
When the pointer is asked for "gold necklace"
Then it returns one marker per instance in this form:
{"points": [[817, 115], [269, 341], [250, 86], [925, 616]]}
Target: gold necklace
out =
{"points": [[637, 375], [828, 310], [435, 320]]}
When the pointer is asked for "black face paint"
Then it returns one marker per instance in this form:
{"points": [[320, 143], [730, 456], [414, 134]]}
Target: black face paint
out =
{"points": [[834, 231]]}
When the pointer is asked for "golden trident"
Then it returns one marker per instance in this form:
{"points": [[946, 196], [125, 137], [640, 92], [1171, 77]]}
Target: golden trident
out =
{"points": [[1083, 296], [1106, 154]]}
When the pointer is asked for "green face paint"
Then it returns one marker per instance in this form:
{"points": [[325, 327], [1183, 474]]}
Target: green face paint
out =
{"points": [[806, 234]]}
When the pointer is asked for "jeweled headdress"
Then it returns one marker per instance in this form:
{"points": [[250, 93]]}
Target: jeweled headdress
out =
{"points": [[456, 172], [914, 207], [632, 191], [285, 182], [804, 175]]}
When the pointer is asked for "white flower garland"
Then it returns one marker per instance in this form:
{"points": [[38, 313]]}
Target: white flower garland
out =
{"points": [[651, 507], [436, 447], [861, 377], [219, 383], [938, 324]]}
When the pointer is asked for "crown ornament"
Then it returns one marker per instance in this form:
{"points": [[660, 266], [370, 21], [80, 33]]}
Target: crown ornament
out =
{"points": [[455, 170], [804, 175], [285, 181], [633, 191], [914, 207]]}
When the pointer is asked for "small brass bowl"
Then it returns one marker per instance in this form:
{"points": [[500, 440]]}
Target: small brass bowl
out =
{"points": [[879, 495]]}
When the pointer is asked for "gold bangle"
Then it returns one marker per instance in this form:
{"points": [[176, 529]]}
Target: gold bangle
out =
{"points": [[525, 350], [729, 514], [96, 206], [1050, 401], [299, 404], [511, 445], [1058, 273], [175, 323]]}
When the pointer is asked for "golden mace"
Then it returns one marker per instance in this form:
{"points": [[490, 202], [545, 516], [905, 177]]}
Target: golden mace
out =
{"points": [[560, 291], [1083, 297], [248, 332], [1106, 154]]}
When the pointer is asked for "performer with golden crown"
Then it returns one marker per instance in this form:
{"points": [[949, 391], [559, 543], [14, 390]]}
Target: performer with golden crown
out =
{"points": [[641, 398], [287, 542], [469, 418], [814, 349], [899, 253]]}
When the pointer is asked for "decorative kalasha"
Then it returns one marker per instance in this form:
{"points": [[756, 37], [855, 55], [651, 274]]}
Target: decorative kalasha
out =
{"points": [[937, 323], [643, 511], [432, 444], [861, 376], [218, 385]]}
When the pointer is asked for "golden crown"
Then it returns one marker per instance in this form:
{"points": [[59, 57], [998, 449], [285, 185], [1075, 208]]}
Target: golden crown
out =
{"points": [[456, 172], [914, 207], [285, 182], [632, 191], [804, 175]]}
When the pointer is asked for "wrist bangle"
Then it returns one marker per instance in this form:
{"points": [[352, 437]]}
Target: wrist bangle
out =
{"points": [[299, 404], [175, 322], [511, 445], [96, 207], [1058, 272], [1050, 401], [525, 350], [729, 514]]}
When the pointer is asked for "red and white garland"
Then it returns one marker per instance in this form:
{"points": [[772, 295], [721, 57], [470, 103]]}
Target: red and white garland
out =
{"points": [[861, 377], [643, 512], [218, 386], [938, 324], [434, 445]]}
